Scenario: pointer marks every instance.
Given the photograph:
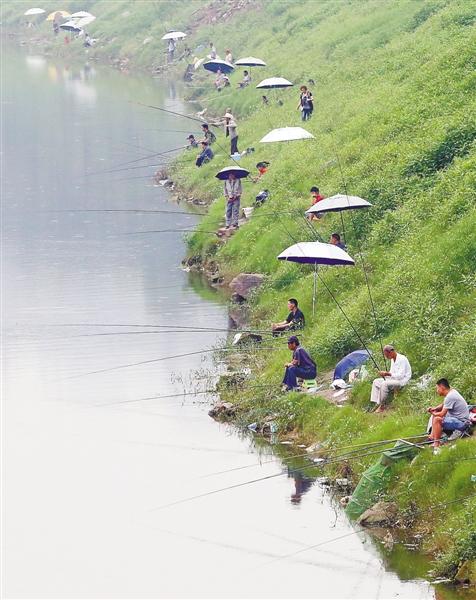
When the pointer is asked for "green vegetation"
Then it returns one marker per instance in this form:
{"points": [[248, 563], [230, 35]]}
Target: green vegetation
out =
{"points": [[395, 123]]}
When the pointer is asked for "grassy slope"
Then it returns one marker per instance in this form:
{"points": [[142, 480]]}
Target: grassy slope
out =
{"points": [[395, 103]]}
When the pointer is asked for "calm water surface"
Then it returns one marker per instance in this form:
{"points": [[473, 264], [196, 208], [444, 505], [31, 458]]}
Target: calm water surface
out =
{"points": [[83, 482]]}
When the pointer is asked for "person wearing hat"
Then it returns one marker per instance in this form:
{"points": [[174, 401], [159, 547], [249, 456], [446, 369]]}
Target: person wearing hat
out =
{"points": [[301, 366], [192, 142], [231, 131], [399, 375], [205, 155]]}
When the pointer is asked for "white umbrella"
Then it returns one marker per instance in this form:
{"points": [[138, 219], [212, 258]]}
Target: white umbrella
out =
{"points": [[274, 83], [84, 21], [286, 134], [174, 35], [338, 203], [316, 253], [250, 61], [82, 14], [34, 11]]}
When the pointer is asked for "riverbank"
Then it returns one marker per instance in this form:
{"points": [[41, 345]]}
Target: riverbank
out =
{"points": [[395, 128]]}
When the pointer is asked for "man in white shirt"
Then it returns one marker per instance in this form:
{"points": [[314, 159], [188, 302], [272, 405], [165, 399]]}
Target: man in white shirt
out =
{"points": [[399, 375]]}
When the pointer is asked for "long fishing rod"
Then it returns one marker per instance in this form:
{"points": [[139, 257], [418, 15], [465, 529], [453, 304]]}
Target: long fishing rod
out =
{"points": [[124, 210], [151, 155], [309, 454], [374, 312], [161, 326], [362, 529], [161, 358], [166, 231], [171, 112], [244, 483]]}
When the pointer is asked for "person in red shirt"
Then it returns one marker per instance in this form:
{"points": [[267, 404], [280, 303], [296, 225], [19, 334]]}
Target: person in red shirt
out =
{"points": [[316, 197]]}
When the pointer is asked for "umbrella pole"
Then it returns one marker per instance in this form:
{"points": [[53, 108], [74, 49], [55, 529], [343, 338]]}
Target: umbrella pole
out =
{"points": [[343, 228], [314, 291]]}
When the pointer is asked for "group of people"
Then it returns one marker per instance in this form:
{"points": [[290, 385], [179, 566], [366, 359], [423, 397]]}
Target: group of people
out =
{"points": [[453, 416]]}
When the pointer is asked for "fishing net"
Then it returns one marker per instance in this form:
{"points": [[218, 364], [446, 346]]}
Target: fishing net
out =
{"points": [[376, 478]]}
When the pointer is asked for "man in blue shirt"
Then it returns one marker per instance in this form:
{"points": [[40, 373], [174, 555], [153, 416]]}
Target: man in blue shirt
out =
{"points": [[205, 155], [301, 365]]}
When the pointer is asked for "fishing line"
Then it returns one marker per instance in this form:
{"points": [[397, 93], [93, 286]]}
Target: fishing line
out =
{"points": [[184, 327], [359, 246], [430, 508], [125, 210], [165, 231], [154, 360], [171, 112], [309, 454]]}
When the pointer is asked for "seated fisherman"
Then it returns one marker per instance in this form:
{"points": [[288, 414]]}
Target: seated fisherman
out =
{"points": [[192, 142], [301, 365], [294, 320], [205, 155], [399, 375], [316, 198], [452, 415], [336, 241], [245, 81]]}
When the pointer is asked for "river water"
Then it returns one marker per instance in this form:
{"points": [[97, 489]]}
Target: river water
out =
{"points": [[86, 474]]}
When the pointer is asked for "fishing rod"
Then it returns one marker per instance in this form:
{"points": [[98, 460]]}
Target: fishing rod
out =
{"points": [[171, 112], [125, 210], [166, 231], [164, 326], [237, 485], [309, 454], [363, 529], [142, 158], [359, 246], [161, 358]]}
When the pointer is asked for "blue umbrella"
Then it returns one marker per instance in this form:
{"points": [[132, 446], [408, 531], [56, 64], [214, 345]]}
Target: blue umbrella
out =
{"points": [[351, 361], [218, 64]]}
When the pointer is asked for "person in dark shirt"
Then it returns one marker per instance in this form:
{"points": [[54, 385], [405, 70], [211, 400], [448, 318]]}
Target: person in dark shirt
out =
{"points": [[210, 137], [192, 142], [336, 241], [295, 319], [301, 366], [205, 155]]}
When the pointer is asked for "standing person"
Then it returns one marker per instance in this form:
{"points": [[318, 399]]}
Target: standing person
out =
{"points": [[231, 130], [301, 365], [210, 137], [452, 415], [213, 51], [232, 192], [171, 50], [399, 375], [306, 105], [228, 56]]}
